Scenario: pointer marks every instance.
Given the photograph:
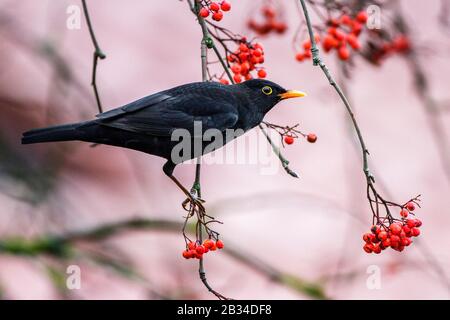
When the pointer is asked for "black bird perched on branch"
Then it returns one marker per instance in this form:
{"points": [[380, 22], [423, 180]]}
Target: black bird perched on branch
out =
{"points": [[150, 124]]}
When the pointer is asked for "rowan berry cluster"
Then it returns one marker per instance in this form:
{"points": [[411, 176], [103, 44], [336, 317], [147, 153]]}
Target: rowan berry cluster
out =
{"points": [[216, 9], [196, 250], [396, 234], [382, 48], [341, 35], [245, 59], [272, 21]]}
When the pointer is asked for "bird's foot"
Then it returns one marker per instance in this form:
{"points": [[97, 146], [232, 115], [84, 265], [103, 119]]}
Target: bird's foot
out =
{"points": [[193, 202]]}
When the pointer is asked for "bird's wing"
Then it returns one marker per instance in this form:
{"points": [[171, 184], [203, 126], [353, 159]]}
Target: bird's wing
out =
{"points": [[160, 115], [145, 102]]}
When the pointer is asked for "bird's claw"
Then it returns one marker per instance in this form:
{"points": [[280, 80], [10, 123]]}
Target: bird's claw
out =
{"points": [[193, 202]]}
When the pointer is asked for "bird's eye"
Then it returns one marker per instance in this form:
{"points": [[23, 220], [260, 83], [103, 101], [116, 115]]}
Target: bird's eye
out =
{"points": [[267, 90]]}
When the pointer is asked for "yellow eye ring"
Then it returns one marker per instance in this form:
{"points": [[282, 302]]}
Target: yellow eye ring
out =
{"points": [[267, 90]]}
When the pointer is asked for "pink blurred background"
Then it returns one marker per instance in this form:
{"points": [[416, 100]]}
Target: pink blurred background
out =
{"points": [[309, 227]]}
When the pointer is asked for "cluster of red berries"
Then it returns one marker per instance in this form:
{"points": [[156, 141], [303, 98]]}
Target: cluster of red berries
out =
{"points": [[396, 236], [378, 51], [289, 139], [196, 250], [245, 59], [272, 22], [216, 10], [341, 34]]}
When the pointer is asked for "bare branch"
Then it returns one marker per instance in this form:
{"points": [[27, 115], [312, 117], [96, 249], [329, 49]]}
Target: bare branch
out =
{"points": [[98, 54]]}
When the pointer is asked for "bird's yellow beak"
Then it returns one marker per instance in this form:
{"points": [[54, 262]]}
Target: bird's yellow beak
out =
{"points": [[291, 94]]}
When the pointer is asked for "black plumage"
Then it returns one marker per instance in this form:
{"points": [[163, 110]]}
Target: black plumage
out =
{"points": [[148, 123]]}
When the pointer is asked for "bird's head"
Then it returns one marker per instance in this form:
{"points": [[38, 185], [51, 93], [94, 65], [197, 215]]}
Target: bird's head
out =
{"points": [[266, 94]]}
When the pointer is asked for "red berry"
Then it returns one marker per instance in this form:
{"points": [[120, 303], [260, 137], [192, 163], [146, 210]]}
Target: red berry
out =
{"points": [[332, 31], [395, 239], [329, 42], [237, 78], [225, 6], [368, 247], [200, 249], [192, 245], [243, 47], [339, 34], [366, 237], [257, 52], [353, 42], [186, 254], [345, 19], [299, 56], [289, 139], [198, 255], [224, 81], [280, 27], [402, 44], [356, 28], [395, 228], [362, 17], [375, 229], [343, 53], [217, 16], [386, 243], [415, 232], [192, 253], [406, 242], [418, 222], [269, 11], [243, 56], [204, 12], [404, 213], [406, 229], [376, 249], [382, 235], [402, 234], [213, 247], [231, 58], [219, 244], [236, 68], [410, 206], [307, 45], [214, 7], [208, 243], [311, 138], [410, 222], [262, 73], [258, 45]]}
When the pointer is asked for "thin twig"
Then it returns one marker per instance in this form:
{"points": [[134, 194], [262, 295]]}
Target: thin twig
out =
{"points": [[61, 245], [98, 54]]}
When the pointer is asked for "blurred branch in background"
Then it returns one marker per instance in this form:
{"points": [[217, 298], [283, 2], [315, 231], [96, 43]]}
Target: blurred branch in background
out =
{"points": [[64, 246]]}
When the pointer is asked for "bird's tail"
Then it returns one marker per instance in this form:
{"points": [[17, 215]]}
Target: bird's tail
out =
{"points": [[66, 132]]}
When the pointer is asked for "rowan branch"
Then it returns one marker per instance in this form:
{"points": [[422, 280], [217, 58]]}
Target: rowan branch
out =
{"points": [[206, 39]]}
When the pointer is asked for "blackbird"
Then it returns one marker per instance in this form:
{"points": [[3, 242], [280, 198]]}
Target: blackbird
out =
{"points": [[149, 124]]}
